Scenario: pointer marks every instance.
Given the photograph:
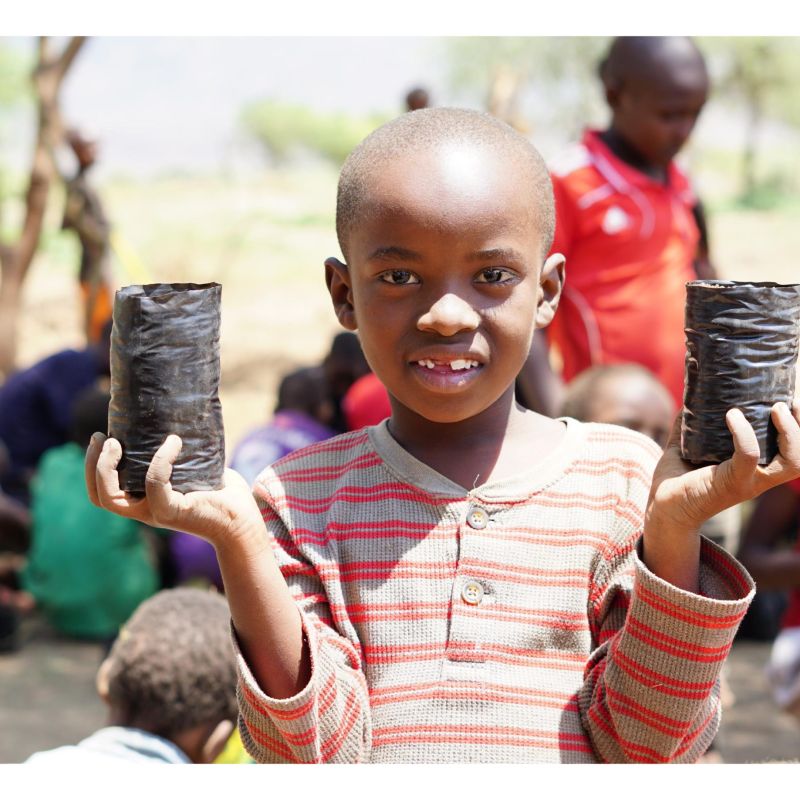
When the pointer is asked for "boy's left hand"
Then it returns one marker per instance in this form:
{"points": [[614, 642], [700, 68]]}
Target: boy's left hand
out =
{"points": [[683, 497]]}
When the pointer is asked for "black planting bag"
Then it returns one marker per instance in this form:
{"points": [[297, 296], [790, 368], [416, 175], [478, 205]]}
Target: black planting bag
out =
{"points": [[741, 352], [165, 379]]}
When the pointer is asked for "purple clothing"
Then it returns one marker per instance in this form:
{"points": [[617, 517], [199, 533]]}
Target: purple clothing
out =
{"points": [[36, 411], [288, 431]]}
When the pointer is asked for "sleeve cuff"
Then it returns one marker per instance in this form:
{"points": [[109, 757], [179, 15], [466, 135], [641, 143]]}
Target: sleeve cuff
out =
{"points": [[255, 695], [713, 615]]}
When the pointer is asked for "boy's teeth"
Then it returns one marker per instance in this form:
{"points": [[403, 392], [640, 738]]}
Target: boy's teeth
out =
{"points": [[459, 363]]}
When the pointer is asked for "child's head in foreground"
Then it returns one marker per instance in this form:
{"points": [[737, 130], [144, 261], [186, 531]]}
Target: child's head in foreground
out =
{"points": [[445, 217], [656, 87], [171, 672], [621, 394]]}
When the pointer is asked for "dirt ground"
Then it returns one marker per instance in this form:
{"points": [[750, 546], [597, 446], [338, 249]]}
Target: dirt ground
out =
{"points": [[48, 699]]}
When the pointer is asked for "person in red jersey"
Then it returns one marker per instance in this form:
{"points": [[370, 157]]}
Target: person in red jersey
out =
{"points": [[628, 222], [468, 580]]}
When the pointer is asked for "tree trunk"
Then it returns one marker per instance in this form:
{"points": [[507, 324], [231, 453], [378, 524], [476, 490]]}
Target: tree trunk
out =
{"points": [[16, 259]]}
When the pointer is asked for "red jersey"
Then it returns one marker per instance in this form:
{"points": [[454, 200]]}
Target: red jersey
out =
{"points": [[630, 243]]}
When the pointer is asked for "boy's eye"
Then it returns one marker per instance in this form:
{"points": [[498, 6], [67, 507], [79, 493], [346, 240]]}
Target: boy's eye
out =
{"points": [[494, 275], [398, 277]]}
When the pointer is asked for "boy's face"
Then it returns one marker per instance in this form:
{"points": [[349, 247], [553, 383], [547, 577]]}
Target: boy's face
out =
{"points": [[657, 116], [444, 283]]}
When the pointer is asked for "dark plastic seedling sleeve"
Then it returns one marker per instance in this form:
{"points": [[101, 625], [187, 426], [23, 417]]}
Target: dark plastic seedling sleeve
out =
{"points": [[741, 352], [165, 379]]}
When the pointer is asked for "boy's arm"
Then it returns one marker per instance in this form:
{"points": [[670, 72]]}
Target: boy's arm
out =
{"points": [[703, 266], [329, 720], [302, 694], [651, 689]]}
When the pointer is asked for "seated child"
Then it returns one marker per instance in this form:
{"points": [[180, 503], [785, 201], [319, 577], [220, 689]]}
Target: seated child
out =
{"points": [[631, 396], [87, 569], [302, 416], [366, 403], [170, 686], [621, 394], [469, 580]]}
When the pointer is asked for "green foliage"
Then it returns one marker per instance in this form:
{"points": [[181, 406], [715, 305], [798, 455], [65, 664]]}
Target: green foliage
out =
{"points": [[15, 71], [760, 71], [283, 129], [562, 70]]}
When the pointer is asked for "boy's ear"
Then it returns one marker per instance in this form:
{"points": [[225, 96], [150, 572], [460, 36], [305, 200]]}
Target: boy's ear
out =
{"points": [[550, 284], [215, 743], [613, 90], [101, 680], [337, 276]]}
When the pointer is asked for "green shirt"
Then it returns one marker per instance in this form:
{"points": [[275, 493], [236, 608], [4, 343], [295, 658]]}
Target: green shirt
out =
{"points": [[87, 568]]}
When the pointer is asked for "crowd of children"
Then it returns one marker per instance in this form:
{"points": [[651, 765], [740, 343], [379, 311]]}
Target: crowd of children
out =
{"points": [[481, 544]]}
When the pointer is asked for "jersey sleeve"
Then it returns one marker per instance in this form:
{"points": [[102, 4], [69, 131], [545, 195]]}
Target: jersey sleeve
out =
{"points": [[329, 719], [651, 686]]}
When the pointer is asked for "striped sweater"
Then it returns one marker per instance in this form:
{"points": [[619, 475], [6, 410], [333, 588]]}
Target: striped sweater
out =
{"points": [[511, 623]]}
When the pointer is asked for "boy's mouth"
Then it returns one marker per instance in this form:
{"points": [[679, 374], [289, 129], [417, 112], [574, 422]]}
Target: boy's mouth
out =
{"points": [[446, 373], [455, 365]]}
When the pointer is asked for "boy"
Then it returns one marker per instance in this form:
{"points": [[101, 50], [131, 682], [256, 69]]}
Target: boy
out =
{"points": [[628, 222], [170, 686], [455, 581]]}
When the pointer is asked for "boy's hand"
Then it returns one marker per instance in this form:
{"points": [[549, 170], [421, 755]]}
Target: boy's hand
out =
{"points": [[217, 516], [685, 497]]}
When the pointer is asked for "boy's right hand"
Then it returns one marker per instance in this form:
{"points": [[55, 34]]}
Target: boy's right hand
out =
{"points": [[220, 517]]}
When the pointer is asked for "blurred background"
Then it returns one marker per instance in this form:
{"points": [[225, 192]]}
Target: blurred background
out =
{"points": [[217, 160]]}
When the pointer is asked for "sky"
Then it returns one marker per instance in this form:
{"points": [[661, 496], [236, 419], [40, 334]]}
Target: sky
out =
{"points": [[161, 85], [169, 103]]}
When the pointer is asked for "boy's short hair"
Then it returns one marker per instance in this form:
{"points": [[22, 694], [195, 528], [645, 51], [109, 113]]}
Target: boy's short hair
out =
{"points": [[172, 667], [638, 55], [427, 128]]}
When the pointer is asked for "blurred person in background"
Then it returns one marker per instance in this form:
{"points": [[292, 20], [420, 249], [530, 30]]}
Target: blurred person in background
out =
{"points": [[303, 414], [366, 403], [87, 569], [343, 365], [629, 224], [36, 406], [84, 214], [417, 98], [621, 394], [770, 550]]}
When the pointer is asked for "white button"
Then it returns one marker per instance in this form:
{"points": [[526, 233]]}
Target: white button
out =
{"points": [[477, 518], [472, 593]]}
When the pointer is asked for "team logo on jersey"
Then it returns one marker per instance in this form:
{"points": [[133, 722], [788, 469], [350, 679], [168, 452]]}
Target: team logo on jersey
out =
{"points": [[615, 220]]}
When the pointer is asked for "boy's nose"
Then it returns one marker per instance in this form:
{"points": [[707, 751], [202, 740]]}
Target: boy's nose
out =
{"points": [[449, 315]]}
